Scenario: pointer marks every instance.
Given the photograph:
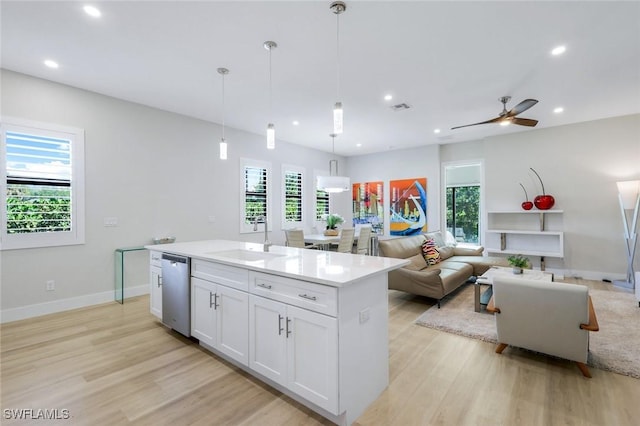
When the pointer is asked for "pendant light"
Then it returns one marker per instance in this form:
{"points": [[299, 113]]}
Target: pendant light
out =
{"points": [[271, 129], [338, 7], [333, 183], [223, 141]]}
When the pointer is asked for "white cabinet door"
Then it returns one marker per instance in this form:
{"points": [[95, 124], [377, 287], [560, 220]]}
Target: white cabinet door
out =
{"points": [[232, 311], [203, 314], [267, 338], [312, 357], [155, 292]]}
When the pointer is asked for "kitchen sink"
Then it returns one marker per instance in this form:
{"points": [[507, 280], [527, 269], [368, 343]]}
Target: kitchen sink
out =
{"points": [[246, 255]]}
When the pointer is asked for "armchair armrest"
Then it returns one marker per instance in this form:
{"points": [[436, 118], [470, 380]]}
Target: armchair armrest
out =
{"points": [[593, 320]]}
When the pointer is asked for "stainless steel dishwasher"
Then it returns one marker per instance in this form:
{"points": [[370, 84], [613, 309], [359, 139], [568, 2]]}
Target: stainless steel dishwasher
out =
{"points": [[176, 295]]}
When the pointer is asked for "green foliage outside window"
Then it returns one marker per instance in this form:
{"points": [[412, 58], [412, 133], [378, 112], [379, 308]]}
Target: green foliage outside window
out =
{"points": [[33, 209], [293, 197], [467, 212], [322, 204]]}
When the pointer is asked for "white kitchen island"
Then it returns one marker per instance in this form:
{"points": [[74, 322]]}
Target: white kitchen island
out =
{"points": [[312, 324]]}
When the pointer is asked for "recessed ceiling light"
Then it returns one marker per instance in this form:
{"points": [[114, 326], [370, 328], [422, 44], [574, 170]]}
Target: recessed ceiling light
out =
{"points": [[92, 11], [296, 123], [388, 97], [51, 64], [558, 110], [558, 50], [436, 131], [358, 145]]}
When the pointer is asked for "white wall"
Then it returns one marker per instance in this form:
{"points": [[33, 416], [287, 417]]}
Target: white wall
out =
{"points": [[402, 164], [579, 165], [159, 174], [156, 171]]}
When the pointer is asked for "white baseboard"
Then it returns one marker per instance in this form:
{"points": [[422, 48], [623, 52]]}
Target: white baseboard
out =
{"points": [[594, 275], [39, 309]]}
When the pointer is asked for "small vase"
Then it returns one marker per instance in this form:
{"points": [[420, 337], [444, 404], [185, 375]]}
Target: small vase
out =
{"points": [[517, 270], [331, 232]]}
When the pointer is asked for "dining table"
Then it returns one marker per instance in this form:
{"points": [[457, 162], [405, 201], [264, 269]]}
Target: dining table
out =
{"points": [[322, 241]]}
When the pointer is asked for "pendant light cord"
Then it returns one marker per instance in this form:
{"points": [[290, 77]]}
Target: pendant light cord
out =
{"points": [[338, 56], [270, 89], [223, 107]]}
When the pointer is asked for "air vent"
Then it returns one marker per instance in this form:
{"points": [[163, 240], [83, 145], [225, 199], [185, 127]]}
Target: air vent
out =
{"points": [[400, 107]]}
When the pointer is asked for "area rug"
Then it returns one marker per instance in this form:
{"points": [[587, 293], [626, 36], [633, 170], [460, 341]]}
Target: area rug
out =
{"points": [[616, 347]]}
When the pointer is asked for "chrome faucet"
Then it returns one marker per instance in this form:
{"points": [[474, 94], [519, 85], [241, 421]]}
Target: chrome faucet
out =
{"points": [[266, 243]]}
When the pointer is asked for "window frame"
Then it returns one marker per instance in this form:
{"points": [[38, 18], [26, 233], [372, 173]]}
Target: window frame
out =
{"points": [[247, 228], [446, 182], [319, 223], [45, 239], [287, 168]]}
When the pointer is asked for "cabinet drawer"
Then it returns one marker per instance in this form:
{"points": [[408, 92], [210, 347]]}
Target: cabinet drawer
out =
{"points": [[230, 276], [155, 258], [314, 297]]}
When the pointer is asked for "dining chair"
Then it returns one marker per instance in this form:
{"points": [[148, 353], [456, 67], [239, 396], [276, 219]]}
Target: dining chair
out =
{"points": [[295, 238], [345, 245], [362, 246]]}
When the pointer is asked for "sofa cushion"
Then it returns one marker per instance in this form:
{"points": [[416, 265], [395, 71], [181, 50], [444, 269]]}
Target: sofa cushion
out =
{"points": [[481, 264], [402, 247], [450, 240], [430, 252], [454, 274], [437, 237], [468, 251], [445, 252], [417, 263]]}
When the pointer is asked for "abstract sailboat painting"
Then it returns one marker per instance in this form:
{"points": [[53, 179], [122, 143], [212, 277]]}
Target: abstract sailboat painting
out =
{"points": [[408, 206]]}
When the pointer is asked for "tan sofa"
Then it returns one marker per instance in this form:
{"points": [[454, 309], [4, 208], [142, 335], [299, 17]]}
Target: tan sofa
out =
{"points": [[435, 281]]}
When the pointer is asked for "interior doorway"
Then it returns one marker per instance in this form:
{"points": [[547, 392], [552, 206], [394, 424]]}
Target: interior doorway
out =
{"points": [[463, 195]]}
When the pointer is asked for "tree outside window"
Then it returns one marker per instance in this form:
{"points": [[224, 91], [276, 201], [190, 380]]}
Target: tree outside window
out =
{"points": [[463, 213]]}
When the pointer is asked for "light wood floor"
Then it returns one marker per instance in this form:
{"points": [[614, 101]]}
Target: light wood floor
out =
{"points": [[115, 365]]}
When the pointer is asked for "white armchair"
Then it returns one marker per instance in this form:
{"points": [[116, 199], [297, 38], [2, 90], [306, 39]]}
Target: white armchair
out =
{"points": [[547, 317]]}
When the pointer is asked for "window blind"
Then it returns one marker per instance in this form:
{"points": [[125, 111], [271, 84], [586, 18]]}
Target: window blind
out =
{"points": [[293, 196], [255, 183], [322, 205], [38, 191]]}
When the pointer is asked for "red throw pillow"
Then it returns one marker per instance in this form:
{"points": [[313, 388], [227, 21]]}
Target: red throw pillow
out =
{"points": [[430, 252]]}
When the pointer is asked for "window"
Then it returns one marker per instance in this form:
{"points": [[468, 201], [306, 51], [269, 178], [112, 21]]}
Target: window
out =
{"points": [[292, 196], [322, 201], [463, 213], [42, 198], [255, 187], [463, 183]]}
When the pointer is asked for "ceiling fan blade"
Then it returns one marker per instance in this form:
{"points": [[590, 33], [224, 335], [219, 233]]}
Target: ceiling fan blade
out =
{"points": [[524, 121], [521, 107], [493, 120]]}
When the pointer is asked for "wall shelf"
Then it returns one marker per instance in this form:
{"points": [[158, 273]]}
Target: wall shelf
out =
{"points": [[526, 232]]}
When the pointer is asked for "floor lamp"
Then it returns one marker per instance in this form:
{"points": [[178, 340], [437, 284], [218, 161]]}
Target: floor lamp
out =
{"points": [[629, 197]]}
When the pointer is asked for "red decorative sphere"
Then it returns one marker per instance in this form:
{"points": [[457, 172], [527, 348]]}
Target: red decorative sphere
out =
{"points": [[544, 202], [527, 205]]}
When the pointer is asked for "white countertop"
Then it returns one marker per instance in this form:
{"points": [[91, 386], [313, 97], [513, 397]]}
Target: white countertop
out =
{"points": [[324, 267]]}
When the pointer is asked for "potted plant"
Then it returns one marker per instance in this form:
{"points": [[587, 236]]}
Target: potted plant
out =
{"points": [[333, 220], [518, 262]]}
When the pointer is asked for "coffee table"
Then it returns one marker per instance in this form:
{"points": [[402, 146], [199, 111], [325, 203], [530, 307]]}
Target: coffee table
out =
{"points": [[487, 279]]}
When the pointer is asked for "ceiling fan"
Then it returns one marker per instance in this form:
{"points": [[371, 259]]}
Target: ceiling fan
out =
{"points": [[510, 116]]}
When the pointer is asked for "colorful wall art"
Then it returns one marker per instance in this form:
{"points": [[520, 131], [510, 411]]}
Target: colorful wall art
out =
{"points": [[368, 205], [408, 206]]}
